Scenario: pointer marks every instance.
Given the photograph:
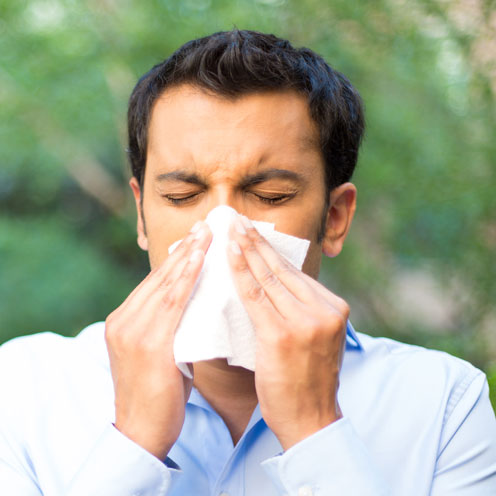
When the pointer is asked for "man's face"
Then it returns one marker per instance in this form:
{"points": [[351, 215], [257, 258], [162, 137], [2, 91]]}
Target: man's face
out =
{"points": [[259, 154]]}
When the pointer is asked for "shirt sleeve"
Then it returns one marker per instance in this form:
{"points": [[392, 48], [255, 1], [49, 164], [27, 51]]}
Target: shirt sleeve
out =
{"points": [[114, 466], [466, 463], [15, 477], [349, 469], [119, 467], [465, 466], [17, 474]]}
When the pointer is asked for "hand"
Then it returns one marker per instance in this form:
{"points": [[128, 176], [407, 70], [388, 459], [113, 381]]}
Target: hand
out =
{"points": [[150, 391], [300, 334]]}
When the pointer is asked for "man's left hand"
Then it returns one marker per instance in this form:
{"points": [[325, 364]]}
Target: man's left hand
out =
{"points": [[300, 337]]}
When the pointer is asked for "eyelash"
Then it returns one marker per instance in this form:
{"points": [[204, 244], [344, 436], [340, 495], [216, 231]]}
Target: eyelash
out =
{"points": [[268, 200], [178, 201], [273, 200]]}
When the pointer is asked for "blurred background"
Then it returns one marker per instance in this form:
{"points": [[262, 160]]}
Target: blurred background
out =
{"points": [[419, 265]]}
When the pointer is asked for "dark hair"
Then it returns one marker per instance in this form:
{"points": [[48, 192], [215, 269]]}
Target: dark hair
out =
{"points": [[235, 63]]}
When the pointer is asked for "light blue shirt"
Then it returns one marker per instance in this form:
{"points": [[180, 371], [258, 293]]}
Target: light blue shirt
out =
{"points": [[416, 422]]}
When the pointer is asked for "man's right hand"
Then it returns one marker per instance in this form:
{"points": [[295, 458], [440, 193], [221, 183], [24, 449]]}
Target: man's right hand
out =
{"points": [[150, 391]]}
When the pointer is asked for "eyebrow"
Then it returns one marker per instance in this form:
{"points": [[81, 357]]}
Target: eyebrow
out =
{"points": [[181, 175], [267, 174], [250, 180]]}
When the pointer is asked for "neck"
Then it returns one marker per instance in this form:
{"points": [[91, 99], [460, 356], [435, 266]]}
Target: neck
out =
{"points": [[229, 390]]}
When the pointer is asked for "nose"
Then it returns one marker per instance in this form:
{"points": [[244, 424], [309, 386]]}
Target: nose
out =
{"points": [[224, 195]]}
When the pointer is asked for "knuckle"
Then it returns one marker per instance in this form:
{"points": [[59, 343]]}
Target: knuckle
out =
{"points": [[172, 300], [168, 299], [255, 293], [343, 307], [110, 320], [269, 279], [248, 245], [240, 265], [323, 328], [110, 328], [345, 310], [187, 272], [117, 339], [336, 322], [165, 285], [257, 239]]}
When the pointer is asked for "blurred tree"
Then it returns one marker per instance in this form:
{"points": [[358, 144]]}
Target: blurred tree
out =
{"points": [[419, 264]]}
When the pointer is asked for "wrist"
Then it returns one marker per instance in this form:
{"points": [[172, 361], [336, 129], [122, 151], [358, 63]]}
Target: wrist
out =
{"points": [[158, 446], [301, 431]]}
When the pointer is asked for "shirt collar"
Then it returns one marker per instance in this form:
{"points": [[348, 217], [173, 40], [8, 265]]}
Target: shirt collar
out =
{"points": [[352, 341]]}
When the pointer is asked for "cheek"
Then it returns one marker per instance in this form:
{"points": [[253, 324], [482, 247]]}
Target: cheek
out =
{"points": [[307, 224], [304, 223], [157, 250], [162, 231], [311, 266]]}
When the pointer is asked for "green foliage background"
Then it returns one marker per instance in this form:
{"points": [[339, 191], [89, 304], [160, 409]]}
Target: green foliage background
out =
{"points": [[419, 265]]}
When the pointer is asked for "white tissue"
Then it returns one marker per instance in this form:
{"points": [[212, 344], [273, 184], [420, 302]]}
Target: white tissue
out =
{"points": [[215, 323]]}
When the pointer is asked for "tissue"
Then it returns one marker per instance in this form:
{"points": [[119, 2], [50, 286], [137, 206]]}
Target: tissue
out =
{"points": [[215, 323]]}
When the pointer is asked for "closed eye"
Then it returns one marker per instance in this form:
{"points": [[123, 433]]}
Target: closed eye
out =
{"points": [[270, 199], [274, 199], [180, 199]]}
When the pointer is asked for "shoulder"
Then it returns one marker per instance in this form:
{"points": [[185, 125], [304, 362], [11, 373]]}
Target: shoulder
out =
{"points": [[49, 346], [56, 393], [419, 374], [29, 361], [423, 360]]}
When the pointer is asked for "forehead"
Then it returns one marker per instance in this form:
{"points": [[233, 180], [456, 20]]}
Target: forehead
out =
{"points": [[189, 124]]}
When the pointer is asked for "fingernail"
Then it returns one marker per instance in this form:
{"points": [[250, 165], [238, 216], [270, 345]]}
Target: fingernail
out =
{"points": [[246, 222], [234, 246], [238, 225], [196, 226]]}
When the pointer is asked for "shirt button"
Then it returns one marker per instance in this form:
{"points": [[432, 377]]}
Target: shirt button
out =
{"points": [[305, 491]]}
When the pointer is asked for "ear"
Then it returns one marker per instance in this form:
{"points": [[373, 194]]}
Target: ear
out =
{"points": [[142, 239], [342, 205]]}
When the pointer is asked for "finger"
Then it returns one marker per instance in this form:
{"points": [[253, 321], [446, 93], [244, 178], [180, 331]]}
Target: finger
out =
{"points": [[198, 237], [157, 273], [201, 240], [158, 314], [333, 299], [282, 299], [173, 301], [287, 273], [163, 277], [260, 308], [302, 286]]}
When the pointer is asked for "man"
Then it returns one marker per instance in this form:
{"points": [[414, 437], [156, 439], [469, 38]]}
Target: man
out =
{"points": [[245, 120]]}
